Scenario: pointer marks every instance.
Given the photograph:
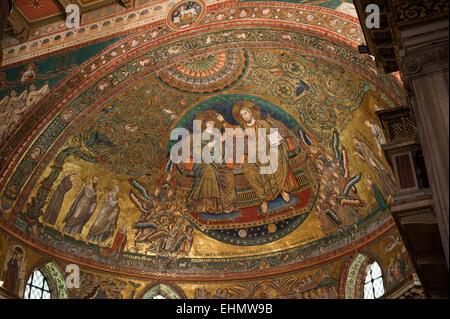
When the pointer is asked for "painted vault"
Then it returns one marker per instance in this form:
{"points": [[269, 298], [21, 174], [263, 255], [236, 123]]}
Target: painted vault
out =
{"points": [[86, 175]]}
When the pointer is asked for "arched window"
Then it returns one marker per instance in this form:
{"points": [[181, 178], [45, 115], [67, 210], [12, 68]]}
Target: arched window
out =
{"points": [[373, 285], [161, 291], [37, 287]]}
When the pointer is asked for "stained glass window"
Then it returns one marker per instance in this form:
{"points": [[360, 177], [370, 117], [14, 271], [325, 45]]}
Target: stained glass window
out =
{"points": [[373, 286], [37, 287]]}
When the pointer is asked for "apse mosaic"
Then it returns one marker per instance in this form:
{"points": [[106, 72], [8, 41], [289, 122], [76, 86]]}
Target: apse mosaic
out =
{"points": [[93, 181]]}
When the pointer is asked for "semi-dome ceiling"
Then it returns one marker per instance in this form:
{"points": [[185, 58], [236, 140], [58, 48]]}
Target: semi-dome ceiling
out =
{"points": [[112, 117]]}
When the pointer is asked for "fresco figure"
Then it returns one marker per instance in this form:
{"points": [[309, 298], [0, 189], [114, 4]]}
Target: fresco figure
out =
{"points": [[348, 215], [93, 286], [167, 195], [14, 270], [377, 194], [213, 184], [29, 74], [82, 209], [398, 267], [106, 221], [160, 229], [326, 223], [266, 186], [5, 113], [377, 133], [376, 166], [11, 273], [156, 195], [151, 208], [54, 205], [119, 244], [159, 239], [149, 200], [184, 244], [19, 107], [176, 229], [14, 107], [35, 94], [338, 203], [102, 292]]}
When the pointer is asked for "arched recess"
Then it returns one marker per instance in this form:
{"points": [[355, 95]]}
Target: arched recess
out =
{"points": [[13, 270], [353, 275], [161, 290], [55, 276]]}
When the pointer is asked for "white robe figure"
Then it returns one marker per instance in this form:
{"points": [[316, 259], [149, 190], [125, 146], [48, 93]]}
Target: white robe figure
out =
{"points": [[106, 221]]}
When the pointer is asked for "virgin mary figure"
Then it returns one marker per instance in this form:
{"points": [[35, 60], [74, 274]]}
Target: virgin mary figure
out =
{"points": [[268, 186], [213, 183]]}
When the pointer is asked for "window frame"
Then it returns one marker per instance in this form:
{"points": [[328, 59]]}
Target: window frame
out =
{"points": [[369, 272], [30, 284]]}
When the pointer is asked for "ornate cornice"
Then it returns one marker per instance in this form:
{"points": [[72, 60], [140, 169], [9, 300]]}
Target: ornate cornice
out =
{"points": [[425, 61], [407, 12], [396, 18]]}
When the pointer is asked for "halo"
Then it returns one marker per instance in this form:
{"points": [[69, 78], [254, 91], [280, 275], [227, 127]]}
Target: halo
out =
{"points": [[248, 105], [164, 218], [208, 115]]}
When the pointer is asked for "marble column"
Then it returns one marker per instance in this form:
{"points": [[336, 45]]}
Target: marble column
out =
{"points": [[425, 64]]}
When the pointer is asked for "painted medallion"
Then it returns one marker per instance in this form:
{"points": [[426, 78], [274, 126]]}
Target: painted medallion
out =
{"points": [[186, 14]]}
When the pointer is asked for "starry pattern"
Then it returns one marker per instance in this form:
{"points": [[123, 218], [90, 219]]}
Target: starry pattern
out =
{"points": [[36, 4]]}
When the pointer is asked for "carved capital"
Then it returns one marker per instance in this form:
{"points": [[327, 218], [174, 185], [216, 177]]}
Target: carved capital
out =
{"points": [[425, 61], [411, 66]]}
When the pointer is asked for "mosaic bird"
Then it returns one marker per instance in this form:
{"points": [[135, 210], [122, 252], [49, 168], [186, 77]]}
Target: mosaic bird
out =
{"points": [[333, 217], [352, 183], [171, 113], [98, 138], [336, 144], [169, 166], [110, 109], [305, 138], [131, 128], [140, 188], [302, 86], [135, 286]]}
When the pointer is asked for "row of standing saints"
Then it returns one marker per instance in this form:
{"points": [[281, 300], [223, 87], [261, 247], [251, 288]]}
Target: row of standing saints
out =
{"points": [[161, 229]]}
